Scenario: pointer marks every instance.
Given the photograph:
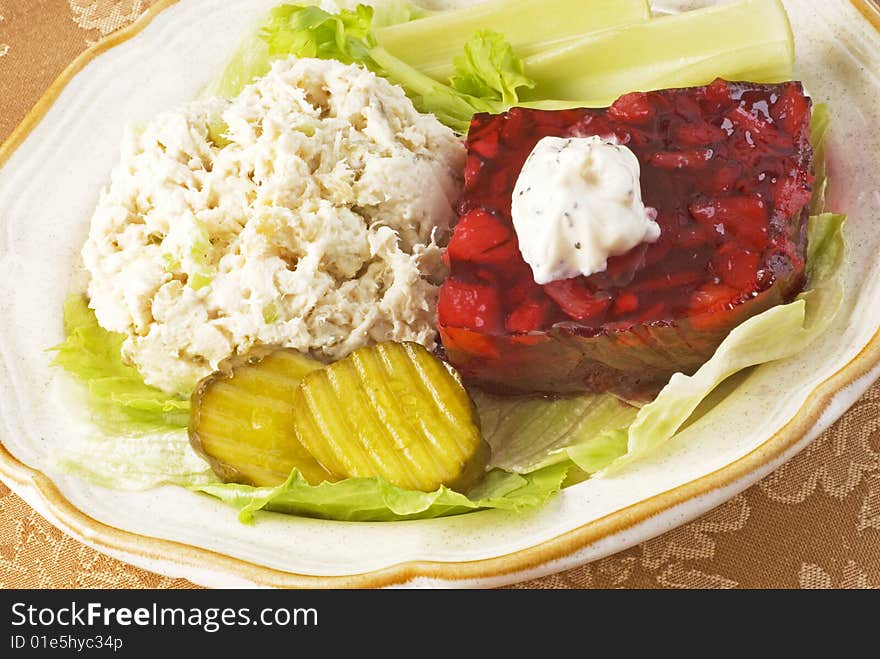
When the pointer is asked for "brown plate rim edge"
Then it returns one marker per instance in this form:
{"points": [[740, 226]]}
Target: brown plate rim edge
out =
{"points": [[114, 540]]}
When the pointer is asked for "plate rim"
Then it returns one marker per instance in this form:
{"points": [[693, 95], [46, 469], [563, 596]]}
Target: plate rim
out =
{"points": [[41, 492]]}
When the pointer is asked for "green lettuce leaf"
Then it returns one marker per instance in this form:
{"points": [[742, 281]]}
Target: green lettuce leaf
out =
{"points": [[133, 462], [527, 433], [252, 59], [819, 124], [116, 395], [137, 437], [489, 69], [308, 31], [777, 333], [372, 499]]}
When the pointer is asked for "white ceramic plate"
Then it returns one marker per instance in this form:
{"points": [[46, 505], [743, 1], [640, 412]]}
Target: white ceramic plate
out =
{"points": [[55, 165]]}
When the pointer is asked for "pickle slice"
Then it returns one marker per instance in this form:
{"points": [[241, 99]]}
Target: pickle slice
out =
{"points": [[242, 418], [395, 411]]}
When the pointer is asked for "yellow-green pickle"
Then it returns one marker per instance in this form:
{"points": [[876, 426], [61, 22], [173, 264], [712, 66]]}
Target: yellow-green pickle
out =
{"points": [[392, 410], [242, 418]]}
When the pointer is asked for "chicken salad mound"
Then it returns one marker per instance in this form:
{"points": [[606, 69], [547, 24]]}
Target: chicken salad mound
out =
{"points": [[310, 211]]}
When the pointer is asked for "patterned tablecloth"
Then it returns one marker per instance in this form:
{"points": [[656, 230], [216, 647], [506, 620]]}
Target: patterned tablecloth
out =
{"points": [[815, 523]]}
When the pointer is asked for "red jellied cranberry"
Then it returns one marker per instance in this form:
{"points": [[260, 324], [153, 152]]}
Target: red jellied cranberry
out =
{"points": [[578, 302], [528, 316], [471, 306], [746, 218], [633, 108], [482, 238], [727, 167]]}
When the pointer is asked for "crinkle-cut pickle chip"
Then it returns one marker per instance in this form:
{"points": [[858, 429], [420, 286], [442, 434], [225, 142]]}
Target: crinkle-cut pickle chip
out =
{"points": [[395, 411], [242, 418]]}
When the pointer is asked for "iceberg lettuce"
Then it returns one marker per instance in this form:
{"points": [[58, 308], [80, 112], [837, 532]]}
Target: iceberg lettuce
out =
{"points": [[777, 333], [373, 499], [117, 398], [527, 433]]}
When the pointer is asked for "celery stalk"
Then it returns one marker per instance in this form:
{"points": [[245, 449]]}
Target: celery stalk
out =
{"points": [[530, 26], [450, 107], [747, 40]]}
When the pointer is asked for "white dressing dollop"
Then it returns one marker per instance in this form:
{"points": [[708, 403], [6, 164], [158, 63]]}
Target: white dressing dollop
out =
{"points": [[577, 202]]}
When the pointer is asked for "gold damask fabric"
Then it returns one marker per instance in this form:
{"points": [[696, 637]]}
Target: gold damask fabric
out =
{"points": [[815, 523]]}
